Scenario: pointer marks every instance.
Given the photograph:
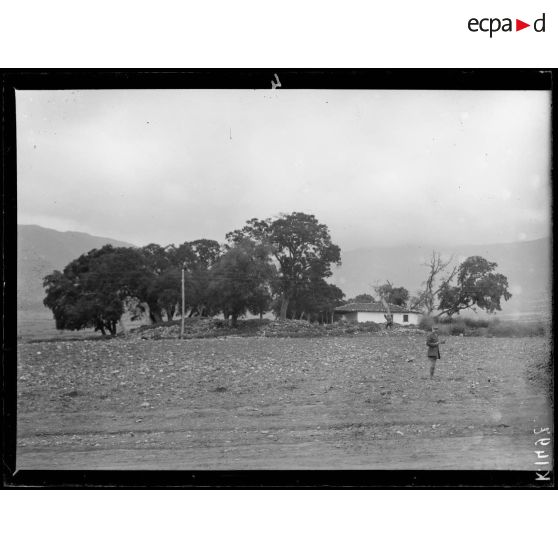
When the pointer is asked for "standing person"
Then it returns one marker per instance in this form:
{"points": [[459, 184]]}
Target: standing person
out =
{"points": [[433, 342]]}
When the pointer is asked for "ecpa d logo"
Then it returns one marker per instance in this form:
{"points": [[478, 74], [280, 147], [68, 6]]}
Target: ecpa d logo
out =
{"points": [[492, 25]]}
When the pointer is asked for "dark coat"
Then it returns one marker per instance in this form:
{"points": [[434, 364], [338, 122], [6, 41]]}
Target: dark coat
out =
{"points": [[432, 342]]}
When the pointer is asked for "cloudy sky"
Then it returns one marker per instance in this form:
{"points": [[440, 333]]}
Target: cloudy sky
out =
{"points": [[378, 167]]}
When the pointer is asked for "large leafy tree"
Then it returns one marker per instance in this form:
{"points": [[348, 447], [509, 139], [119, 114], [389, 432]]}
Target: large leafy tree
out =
{"points": [[198, 258], [477, 287], [207, 252], [241, 280], [92, 289], [161, 290], [328, 297], [364, 297], [158, 277], [301, 246], [393, 295], [314, 301], [166, 291]]}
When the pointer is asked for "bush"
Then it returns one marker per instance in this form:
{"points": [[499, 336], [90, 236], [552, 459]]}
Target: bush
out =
{"points": [[477, 332], [458, 328], [446, 326], [473, 327], [369, 327], [214, 327], [426, 323], [474, 323]]}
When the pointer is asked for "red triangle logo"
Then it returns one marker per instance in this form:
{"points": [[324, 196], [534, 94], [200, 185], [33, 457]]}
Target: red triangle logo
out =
{"points": [[519, 25]]}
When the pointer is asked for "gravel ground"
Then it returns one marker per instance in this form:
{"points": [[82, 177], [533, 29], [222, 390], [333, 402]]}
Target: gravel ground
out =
{"points": [[360, 402]]}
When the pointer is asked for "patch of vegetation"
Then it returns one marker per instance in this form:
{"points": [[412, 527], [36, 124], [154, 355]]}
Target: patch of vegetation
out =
{"points": [[516, 329], [469, 327], [213, 327]]}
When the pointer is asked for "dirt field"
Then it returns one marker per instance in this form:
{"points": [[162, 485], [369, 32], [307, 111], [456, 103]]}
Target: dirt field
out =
{"points": [[361, 402], [39, 324]]}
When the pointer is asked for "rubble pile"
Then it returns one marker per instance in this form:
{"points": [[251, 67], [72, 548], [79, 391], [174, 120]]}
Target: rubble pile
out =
{"points": [[193, 328], [197, 328], [291, 328], [301, 328]]}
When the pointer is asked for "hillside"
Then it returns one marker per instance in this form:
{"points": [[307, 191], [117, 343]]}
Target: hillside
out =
{"points": [[527, 265], [40, 251]]}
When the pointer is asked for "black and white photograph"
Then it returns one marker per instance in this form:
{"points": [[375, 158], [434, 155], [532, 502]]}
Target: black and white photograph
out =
{"points": [[284, 278]]}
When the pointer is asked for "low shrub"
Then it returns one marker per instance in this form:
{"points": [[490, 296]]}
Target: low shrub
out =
{"points": [[214, 327], [477, 332], [474, 327], [446, 326], [476, 323], [369, 327], [458, 328], [516, 329], [426, 323]]}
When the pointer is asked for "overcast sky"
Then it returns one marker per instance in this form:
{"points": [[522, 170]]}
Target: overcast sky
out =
{"points": [[378, 167]]}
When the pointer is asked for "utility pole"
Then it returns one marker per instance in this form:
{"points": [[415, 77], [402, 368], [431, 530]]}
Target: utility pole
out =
{"points": [[182, 319]]}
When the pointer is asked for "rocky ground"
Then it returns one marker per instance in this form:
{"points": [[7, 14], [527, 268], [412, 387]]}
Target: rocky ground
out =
{"points": [[362, 400], [197, 328]]}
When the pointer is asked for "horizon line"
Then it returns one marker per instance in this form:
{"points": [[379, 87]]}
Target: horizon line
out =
{"points": [[384, 246]]}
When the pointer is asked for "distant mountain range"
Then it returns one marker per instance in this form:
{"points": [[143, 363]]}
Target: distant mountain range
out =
{"points": [[527, 265], [40, 251]]}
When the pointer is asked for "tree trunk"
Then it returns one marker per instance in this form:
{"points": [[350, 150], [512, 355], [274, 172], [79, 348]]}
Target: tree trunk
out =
{"points": [[284, 306], [234, 318], [155, 316], [144, 310]]}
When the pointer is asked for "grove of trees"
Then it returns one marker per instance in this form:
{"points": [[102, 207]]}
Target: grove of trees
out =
{"points": [[241, 280], [471, 284], [278, 265], [392, 295], [95, 289], [302, 249], [364, 297]]}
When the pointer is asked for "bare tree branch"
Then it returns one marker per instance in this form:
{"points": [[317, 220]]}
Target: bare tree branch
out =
{"points": [[434, 283]]}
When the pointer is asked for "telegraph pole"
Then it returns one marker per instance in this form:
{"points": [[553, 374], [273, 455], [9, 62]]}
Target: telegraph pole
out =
{"points": [[182, 319]]}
